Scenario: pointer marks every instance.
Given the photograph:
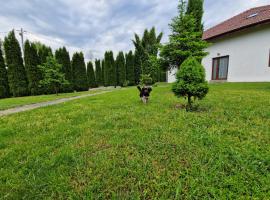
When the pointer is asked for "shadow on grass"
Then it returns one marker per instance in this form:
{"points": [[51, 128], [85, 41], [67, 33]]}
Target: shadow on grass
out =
{"points": [[199, 108]]}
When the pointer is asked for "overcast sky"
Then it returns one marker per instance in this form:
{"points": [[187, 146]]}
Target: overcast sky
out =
{"points": [[94, 26]]}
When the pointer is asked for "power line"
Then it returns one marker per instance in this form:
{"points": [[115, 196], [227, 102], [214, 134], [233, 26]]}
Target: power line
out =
{"points": [[53, 40], [21, 32]]}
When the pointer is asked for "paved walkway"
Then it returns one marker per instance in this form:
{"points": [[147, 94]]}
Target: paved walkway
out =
{"points": [[48, 103]]}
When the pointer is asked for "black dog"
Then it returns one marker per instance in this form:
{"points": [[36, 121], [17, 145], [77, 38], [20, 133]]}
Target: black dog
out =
{"points": [[144, 93]]}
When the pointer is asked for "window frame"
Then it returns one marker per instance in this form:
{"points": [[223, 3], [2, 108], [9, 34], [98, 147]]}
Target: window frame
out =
{"points": [[217, 70]]}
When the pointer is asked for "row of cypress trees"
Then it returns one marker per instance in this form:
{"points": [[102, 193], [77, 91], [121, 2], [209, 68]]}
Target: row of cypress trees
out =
{"points": [[20, 77], [126, 68]]}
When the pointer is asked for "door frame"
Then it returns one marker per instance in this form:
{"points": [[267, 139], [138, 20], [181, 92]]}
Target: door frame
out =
{"points": [[217, 70]]}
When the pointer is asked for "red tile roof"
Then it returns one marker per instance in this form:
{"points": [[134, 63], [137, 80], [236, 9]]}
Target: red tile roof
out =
{"points": [[254, 16]]}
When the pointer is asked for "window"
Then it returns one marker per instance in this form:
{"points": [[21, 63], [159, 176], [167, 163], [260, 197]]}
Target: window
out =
{"points": [[220, 68], [252, 15]]}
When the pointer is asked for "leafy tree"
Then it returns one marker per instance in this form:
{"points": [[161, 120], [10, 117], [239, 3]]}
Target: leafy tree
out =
{"points": [[142, 54], [191, 81], [17, 78], [145, 49], [130, 68], [63, 58], [99, 79], [4, 88], [195, 8], [80, 82], [121, 69], [53, 77], [34, 74], [184, 41], [91, 75], [109, 69]]}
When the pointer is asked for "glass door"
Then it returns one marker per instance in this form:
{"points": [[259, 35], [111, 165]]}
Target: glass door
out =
{"points": [[220, 68]]}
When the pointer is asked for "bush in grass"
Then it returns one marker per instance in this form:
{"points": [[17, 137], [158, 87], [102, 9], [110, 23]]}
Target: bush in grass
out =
{"points": [[190, 81], [126, 83], [146, 79]]}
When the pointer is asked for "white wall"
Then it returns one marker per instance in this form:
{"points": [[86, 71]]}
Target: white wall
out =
{"points": [[249, 55], [171, 75]]}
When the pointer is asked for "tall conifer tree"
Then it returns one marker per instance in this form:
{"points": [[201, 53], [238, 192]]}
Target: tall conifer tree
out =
{"points": [[98, 73], [34, 74], [103, 72], [121, 68], [195, 8], [137, 67], [18, 82], [185, 40], [63, 58], [91, 75], [43, 52], [130, 68], [109, 69], [4, 88], [80, 82]]}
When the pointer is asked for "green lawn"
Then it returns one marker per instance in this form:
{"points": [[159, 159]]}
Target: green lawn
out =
{"points": [[112, 146], [20, 101]]}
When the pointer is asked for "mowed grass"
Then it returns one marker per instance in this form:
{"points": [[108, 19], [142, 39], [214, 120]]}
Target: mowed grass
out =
{"points": [[113, 147], [20, 101]]}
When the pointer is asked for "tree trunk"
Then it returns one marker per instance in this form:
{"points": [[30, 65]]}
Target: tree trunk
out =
{"points": [[189, 106], [56, 91]]}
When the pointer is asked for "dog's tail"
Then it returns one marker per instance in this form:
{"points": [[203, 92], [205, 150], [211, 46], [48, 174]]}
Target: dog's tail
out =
{"points": [[139, 88]]}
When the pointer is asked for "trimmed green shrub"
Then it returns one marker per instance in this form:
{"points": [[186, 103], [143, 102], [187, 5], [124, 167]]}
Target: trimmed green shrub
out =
{"points": [[191, 81]]}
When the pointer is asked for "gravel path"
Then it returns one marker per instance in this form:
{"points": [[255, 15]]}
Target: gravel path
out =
{"points": [[48, 103]]}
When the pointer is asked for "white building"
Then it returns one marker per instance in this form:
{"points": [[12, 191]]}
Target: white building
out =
{"points": [[240, 48]]}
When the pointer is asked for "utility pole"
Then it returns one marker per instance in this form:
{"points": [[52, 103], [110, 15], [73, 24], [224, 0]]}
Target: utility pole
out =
{"points": [[21, 32]]}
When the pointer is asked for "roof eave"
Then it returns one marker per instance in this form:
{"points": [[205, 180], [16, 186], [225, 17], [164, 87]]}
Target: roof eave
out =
{"points": [[236, 30]]}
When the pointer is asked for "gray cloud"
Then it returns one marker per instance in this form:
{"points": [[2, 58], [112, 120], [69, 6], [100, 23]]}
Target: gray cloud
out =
{"points": [[94, 26]]}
